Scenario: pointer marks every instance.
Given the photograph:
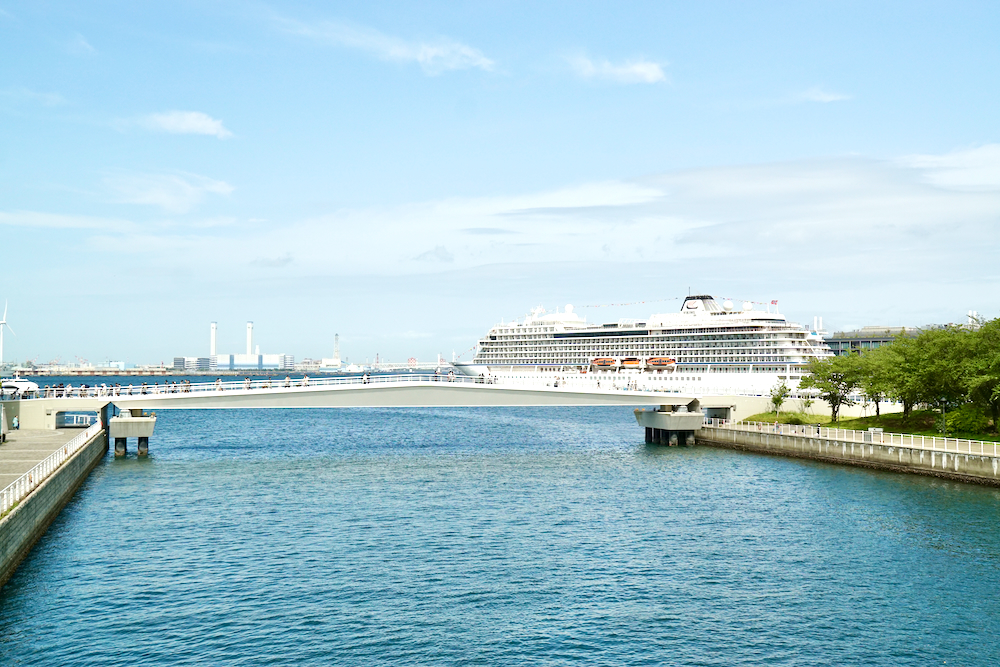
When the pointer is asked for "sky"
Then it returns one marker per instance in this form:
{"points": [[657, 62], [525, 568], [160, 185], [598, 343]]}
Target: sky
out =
{"points": [[409, 174]]}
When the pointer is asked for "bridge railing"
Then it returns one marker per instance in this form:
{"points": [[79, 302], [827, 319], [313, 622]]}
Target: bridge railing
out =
{"points": [[14, 492], [186, 387], [249, 385], [924, 442]]}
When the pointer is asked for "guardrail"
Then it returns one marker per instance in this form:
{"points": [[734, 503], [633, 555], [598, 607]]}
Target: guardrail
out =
{"points": [[247, 385], [929, 443], [26, 483]]}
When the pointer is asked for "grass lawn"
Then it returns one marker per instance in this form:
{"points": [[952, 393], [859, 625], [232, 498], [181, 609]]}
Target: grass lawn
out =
{"points": [[921, 422]]}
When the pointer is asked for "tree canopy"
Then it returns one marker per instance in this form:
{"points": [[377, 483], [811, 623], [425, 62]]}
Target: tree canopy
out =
{"points": [[947, 368]]}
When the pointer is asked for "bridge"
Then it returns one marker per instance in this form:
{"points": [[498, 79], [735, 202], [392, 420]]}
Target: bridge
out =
{"points": [[42, 409]]}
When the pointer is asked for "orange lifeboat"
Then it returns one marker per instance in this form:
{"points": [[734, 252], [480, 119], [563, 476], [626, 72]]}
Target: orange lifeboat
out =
{"points": [[604, 362], [660, 362], [631, 362]]}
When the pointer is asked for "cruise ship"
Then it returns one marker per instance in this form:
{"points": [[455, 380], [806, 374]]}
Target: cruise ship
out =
{"points": [[706, 348]]}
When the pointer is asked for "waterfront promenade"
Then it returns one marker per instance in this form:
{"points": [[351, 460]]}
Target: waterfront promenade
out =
{"points": [[24, 449], [961, 459], [41, 469]]}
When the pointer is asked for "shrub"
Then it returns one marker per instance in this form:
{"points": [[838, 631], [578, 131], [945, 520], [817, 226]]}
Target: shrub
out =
{"points": [[968, 419]]}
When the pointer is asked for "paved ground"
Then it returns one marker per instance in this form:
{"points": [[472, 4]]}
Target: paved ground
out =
{"points": [[26, 448]]}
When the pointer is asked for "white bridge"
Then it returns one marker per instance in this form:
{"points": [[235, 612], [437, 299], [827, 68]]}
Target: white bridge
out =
{"points": [[41, 409]]}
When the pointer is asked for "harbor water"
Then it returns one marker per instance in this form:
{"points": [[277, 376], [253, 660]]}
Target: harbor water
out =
{"points": [[516, 536]]}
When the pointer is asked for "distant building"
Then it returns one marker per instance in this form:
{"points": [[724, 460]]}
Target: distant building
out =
{"points": [[254, 362], [192, 363], [843, 343]]}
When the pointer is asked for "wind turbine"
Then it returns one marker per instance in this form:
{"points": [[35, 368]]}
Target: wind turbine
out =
{"points": [[3, 323]]}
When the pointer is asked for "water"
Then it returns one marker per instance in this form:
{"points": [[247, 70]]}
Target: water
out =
{"points": [[533, 536]]}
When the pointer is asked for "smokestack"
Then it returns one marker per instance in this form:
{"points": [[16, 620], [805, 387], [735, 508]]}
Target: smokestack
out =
{"points": [[336, 346], [211, 345], [249, 338]]}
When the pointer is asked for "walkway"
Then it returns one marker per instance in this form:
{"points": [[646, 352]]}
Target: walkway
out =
{"points": [[24, 449]]}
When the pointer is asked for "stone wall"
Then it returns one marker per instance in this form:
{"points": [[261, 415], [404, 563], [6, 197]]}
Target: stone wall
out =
{"points": [[977, 468], [29, 520]]}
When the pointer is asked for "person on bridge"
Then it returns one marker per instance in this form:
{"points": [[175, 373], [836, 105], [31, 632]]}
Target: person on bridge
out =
{"points": [[218, 384], [288, 382]]}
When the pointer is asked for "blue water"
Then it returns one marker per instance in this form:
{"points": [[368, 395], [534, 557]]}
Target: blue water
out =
{"points": [[541, 536]]}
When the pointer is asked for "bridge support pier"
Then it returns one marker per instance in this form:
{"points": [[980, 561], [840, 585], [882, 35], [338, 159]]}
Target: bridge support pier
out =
{"points": [[671, 425], [143, 448], [120, 448]]}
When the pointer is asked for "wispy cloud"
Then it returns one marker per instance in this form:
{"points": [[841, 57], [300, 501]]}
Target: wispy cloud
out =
{"points": [[273, 262], [974, 169], [25, 94], [434, 56], [58, 221], [819, 94], [174, 193], [437, 254], [78, 46], [185, 122], [631, 71]]}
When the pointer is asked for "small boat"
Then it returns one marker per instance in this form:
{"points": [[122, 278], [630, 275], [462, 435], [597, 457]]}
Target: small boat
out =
{"points": [[660, 362], [604, 362], [631, 362]]}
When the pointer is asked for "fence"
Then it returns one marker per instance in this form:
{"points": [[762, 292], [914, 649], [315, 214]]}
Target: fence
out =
{"points": [[26, 483], [929, 443]]}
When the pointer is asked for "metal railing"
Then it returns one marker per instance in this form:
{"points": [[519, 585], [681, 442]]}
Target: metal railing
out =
{"points": [[29, 481], [925, 442], [299, 383]]}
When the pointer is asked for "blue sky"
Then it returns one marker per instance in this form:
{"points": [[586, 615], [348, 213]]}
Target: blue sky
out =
{"points": [[409, 174]]}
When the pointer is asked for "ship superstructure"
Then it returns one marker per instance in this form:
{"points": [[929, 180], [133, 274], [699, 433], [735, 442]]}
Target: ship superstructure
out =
{"points": [[704, 348]]}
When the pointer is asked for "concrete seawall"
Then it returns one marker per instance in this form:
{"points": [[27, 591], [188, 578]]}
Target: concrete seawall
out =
{"points": [[28, 521], [975, 468]]}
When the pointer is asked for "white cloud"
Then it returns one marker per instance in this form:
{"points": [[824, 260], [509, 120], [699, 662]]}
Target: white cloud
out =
{"points": [[970, 169], [79, 46], [630, 71], [186, 122], [434, 56], [174, 193], [818, 94], [437, 254], [38, 219], [25, 94], [881, 231]]}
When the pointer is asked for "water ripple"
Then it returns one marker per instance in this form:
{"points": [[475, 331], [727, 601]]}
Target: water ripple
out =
{"points": [[504, 536]]}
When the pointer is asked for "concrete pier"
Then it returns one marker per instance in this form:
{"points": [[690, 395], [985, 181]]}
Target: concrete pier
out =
{"points": [[671, 425], [27, 521], [979, 467]]}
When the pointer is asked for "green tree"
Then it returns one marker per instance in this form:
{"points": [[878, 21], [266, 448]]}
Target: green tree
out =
{"points": [[902, 359], [874, 373], [779, 393], [928, 369], [981, 369], [834, 378]]}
